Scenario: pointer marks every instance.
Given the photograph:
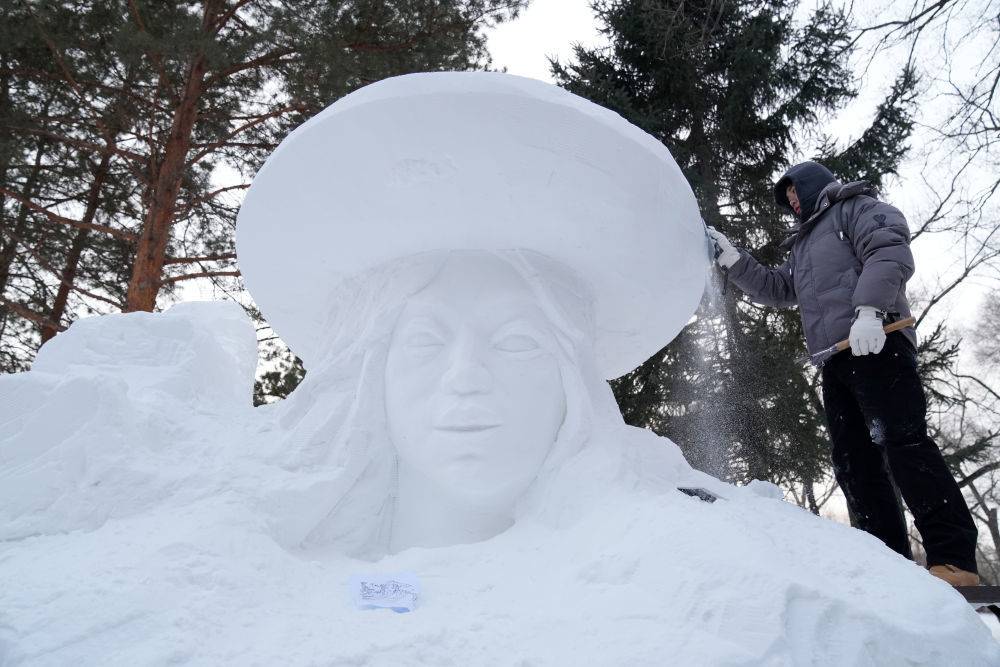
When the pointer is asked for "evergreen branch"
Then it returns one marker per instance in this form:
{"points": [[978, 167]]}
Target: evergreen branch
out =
{"points": [[237, 144], [57, 56], [204, 258], [49, 268], [70, 222], [206, 149], [269, 58], [30, 315], [81, 143], [220, 22], [202, 274], [67, 74], [139, 100], [155, 56], [215, 193]]}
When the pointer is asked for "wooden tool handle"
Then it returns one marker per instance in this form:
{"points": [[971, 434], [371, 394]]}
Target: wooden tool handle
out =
{"points": [[889, 328]]}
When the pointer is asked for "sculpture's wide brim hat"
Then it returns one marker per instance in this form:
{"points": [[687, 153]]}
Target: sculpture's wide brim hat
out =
{"points": [[475, 161]]}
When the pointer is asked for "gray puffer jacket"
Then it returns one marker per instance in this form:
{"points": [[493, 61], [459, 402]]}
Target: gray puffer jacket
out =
{"points": [[854, 250]]}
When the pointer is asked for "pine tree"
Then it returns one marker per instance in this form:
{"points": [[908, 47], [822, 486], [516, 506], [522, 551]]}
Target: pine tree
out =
{"points": [[731, 89], [62, 184], [152, 105]]}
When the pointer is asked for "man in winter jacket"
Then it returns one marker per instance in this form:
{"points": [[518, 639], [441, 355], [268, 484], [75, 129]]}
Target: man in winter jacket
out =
{"points": [[849, 260]]}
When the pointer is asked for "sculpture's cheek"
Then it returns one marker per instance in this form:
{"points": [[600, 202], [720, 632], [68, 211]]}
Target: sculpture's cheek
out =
{"points": [[533, 401]]}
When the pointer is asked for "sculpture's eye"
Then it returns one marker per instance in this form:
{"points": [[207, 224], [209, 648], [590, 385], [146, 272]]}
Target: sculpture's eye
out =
{"points": [[516, 342], [424, 341]]}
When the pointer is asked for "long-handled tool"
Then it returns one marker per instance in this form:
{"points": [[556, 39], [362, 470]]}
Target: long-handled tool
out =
{"points": [[820, 357]]}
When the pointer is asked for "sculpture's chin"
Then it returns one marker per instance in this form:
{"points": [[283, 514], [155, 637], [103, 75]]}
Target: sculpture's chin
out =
{"points": [[494, 465], [471, 481]]}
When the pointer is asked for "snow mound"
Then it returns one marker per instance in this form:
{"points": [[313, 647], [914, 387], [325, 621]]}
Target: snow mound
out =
{"points": [[114, 409], [138, 529]]}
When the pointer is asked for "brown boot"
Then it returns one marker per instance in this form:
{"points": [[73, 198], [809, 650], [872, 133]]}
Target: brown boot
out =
{"points": [[954, 576]]}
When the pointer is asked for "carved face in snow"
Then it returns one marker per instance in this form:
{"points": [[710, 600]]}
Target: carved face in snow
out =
{"points": [[474, 394]]}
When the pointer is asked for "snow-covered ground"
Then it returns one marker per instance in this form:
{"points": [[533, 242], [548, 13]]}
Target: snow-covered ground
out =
{"points": [[141, 523]]}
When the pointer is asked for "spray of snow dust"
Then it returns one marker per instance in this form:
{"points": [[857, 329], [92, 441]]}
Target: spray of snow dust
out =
{"points": [[709, 449]]}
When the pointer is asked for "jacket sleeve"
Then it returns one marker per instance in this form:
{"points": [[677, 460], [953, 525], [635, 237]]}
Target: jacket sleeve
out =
{"points": [[881, 241], [771, 287]]}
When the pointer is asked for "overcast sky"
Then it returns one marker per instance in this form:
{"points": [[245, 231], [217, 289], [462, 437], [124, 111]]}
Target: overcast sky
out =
{"points": [[546, 28]]}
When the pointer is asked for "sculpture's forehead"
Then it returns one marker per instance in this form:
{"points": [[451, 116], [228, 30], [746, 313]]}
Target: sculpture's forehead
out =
{"points": [[490, 310], [476, 270], [471, 278], [475, 287]]}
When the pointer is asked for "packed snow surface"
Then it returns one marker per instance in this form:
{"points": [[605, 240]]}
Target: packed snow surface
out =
{"points": [[140, 497]]}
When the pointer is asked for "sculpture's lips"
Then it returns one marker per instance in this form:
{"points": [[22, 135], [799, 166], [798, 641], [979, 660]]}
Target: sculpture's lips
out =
{"points": [[468, 419], [466, 428]]}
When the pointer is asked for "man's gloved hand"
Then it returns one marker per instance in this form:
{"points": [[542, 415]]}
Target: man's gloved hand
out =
{"points": [[867, 336], [729, 254]]}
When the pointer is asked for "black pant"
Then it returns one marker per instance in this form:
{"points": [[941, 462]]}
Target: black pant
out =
{"points": [[876, 411]]}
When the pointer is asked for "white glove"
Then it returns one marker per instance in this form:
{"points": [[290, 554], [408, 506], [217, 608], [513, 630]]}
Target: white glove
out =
{"points": [[867, 336], [729, 254]]}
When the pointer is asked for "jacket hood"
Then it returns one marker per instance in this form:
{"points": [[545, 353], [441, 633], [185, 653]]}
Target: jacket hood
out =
{"points": [[809, 179], [831, 194]]}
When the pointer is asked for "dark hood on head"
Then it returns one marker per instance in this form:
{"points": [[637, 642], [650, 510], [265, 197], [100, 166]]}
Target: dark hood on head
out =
{"points": [[809, 179]]}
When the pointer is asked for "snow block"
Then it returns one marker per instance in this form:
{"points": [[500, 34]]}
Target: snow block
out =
{"points": [[103, 423]]}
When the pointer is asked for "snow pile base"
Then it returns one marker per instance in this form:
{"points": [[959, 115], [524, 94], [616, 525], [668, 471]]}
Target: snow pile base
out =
{"points": [[114, 409], [134, 533]]}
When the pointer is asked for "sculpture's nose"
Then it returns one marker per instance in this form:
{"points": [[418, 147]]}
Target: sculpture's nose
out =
{"points": [[467, 374]]}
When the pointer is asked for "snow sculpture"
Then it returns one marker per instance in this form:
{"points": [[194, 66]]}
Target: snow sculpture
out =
{"points": [[491, 270], [468, 386], [462, 260]]}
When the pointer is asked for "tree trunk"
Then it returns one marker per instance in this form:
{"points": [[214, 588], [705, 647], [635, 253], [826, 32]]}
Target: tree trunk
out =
{"points": [[151, 251], [8, 246], [811, 498], [167, 177], [68, 276], [4, 158], [994, 527], [67, 279], [704, 165]]}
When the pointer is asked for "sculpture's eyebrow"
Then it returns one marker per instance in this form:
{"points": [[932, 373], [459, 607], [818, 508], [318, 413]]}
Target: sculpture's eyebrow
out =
{"points": [[521, 322], [515, 309], [418, 319], [503, 310]]}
